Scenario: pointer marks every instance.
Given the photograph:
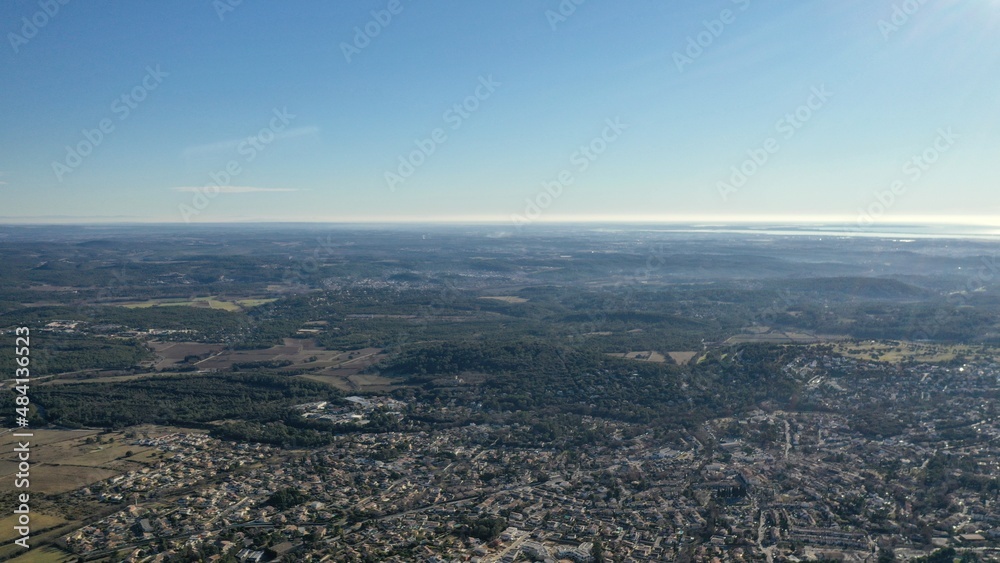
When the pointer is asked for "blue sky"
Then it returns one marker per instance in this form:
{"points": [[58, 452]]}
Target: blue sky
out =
{"points": [[867, 111]]}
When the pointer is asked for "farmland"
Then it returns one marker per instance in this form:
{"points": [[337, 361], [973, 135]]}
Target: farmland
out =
{"points": [[64, 460], [904, 351], [644, 356], [210, 302], [294, 355], [775, 336], [682, 358]]}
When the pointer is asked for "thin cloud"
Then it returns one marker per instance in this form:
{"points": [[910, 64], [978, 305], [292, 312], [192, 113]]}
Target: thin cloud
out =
{"points": [[222, 146], [231, 189]]}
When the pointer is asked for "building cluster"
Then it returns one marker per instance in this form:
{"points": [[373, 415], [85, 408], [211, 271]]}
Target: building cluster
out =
{"points": [[875, 457], [356, 411]]}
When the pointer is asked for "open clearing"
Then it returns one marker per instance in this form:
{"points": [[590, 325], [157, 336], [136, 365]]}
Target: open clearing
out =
{"points": [[682, 358], [64, 379], [300, 352], [210, 302], [39, 522], [895, 351], [341, 369], [63, 460], [248, 303], [355, 383], [44, 555], [54, 479], [345, 372], [773, 336], [643, 356], [169, 354], [506, 298]]}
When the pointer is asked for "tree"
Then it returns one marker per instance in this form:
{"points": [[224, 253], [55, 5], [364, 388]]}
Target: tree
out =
{"points": [[886, 555], [287, 498], [597, 552]]}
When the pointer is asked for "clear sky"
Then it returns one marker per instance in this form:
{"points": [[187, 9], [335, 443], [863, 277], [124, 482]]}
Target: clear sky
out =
{"points": [[593, 109]]}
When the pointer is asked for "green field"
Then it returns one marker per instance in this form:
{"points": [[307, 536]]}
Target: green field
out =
{"points": [[248, 303]]}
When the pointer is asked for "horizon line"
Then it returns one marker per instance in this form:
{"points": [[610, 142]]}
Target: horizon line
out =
{"points": [[518, 222]]}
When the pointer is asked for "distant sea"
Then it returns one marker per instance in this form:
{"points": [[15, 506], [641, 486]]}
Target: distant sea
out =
{"points": [[898, 231]]}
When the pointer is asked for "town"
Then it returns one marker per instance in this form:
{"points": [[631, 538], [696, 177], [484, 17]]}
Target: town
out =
{"points": [[773, 485]]}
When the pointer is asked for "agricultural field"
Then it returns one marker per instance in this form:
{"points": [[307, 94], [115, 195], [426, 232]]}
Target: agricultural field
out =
{"points": [[341, 369], [643, 356], [44, 555], [682, 358], [355, 383], [345, 372], [210, 302], [296, 353], [249, 303], [67, 379], [38, 522], [64, 460], [170, 354], [896, 351], [773, 336]]}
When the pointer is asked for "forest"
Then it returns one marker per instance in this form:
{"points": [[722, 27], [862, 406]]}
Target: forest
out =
{"points": [[501, 328]]}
